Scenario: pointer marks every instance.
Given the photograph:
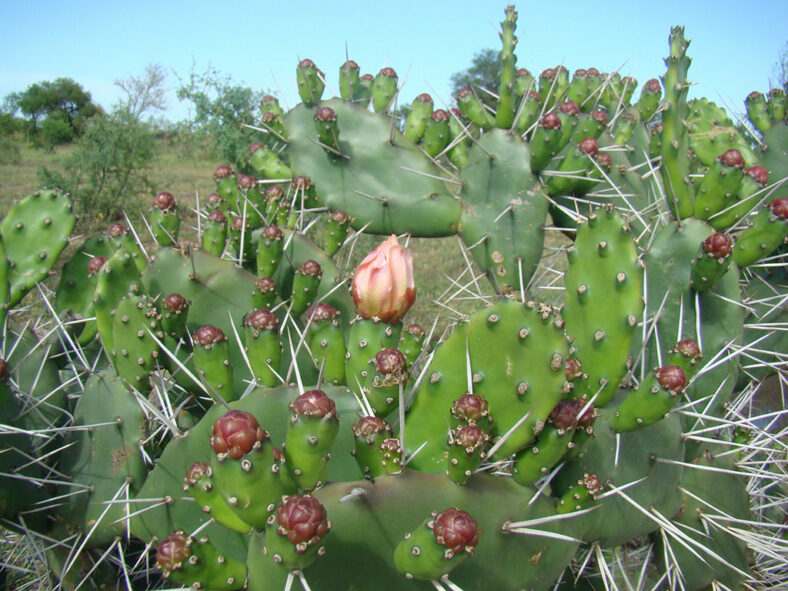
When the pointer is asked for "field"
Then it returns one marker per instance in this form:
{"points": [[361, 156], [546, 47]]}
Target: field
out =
{"points": [[440, 271]]}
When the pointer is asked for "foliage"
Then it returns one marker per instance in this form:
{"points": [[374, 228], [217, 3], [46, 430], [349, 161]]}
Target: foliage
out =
{"points": [[9, 151], [63, 99], [221, 108], [484, 72], [110, 166], [144, 93]]}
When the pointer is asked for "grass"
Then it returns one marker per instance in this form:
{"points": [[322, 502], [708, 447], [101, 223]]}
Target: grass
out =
{"points": [[439, 267]]}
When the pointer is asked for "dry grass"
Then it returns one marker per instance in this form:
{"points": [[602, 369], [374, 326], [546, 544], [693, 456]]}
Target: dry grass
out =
{"points": [[440, 268]]}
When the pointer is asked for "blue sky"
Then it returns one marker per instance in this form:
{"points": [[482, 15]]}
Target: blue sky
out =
{"points": [[258, 44]]}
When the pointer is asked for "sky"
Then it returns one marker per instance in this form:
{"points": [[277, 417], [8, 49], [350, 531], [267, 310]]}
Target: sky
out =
{"points": [[734, 45]]}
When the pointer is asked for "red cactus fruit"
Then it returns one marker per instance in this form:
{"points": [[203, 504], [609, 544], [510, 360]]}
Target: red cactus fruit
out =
{"points": [[246, 182], [274, 192], [569, 108], [414, 329], [589, 146], [310, 268], [340, 216], [470, 437], [164, 201], [95, 264], [302, 519], [424, 98], [671, 378], [779, 207], [117, 230], [759, 173], [222, 172], [314, 403], [273, 233], [320, 312], [325, 114], [688, 348], [265, 285], [604, 160], [456, 530], [236, 433], [195, 473], [175, 303], [439, 115], [390, 361], [262, 320], [470, 407], [368, 426], [388, 72], [550, 121], [304, 183], [207, 335], [217, 216], [573, 369], [173, 551], [653, 85], [600, 116], [732, 158], [718, 245], [350, 64]]}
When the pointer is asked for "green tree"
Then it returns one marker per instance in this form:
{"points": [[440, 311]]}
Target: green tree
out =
{"points": [[482, 75], [62, 98], [221, 108], [109, 168]]}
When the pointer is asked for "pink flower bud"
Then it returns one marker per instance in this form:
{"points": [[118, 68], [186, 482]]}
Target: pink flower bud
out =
{"points": [[383, 285]]}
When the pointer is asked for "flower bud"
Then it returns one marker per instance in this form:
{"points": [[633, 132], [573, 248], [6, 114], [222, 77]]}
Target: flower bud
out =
{"points": [[383, 286]]}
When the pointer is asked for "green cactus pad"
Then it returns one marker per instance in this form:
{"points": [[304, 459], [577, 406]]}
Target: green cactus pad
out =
{"points": [[504, 210], [724, 496], [391, 506], [620, 460], [516, 354], [104, 458], [383, 184], [604, 286], [35, 231], [136, 353], [271, 406], [668, 265], [77, 285], [118, 277]]}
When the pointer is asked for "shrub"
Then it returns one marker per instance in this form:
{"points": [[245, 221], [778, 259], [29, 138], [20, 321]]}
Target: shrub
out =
{"points": [[110, 166]]}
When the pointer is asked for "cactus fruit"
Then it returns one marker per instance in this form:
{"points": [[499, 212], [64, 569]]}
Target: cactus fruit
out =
{"points": [[593, 414]]}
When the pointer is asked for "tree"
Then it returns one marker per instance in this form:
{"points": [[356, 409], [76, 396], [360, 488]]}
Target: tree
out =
{"points": [[484, 73], [110, 166], [144, 93], [62, 98], [221, 108]]}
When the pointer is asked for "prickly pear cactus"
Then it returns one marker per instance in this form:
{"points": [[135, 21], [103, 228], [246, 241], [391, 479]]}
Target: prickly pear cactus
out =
{"points": [[240, 409]]}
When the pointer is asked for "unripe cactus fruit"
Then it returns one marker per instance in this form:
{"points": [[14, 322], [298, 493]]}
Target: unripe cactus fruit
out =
{"points": [[172, 552], [236, 433], [438, 545]]}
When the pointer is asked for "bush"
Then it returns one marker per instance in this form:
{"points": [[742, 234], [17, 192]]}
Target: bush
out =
{"points": [[221, 108], [110, 166], [56, 130], [9, 151]]}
